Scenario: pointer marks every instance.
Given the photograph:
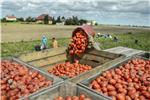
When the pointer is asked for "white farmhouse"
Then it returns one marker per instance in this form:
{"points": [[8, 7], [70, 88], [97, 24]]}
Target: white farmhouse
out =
{"points": [[11, 18]]}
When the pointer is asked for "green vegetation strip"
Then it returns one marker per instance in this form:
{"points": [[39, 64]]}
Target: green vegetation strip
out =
{"points": [[126, 40]]}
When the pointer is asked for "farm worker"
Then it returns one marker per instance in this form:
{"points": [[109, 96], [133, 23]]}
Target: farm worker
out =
{"points": [[98, 34], [44, 42], [115, 39], [54, 43]]}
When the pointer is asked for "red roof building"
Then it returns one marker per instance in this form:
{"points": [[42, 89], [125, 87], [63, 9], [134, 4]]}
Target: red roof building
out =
{"points": [[41, 17]]}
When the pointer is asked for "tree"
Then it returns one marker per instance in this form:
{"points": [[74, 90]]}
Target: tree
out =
{"points": [[3, 20], [28, 19], [72, 21], [33, 19], [46, 20], [82, 21], [69, 21], [62, 18], [53, 20], [21, 19], [75, 20], [96, 24], [58, 19]]}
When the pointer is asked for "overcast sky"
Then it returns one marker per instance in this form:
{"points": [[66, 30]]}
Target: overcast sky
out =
{"points": [[133, 12]]}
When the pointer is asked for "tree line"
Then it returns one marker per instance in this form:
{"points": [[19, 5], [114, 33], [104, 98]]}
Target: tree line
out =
{"points": [[74, 20]]}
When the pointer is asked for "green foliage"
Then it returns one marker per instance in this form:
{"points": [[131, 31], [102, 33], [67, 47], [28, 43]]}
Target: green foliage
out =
{"points": [[75, 21], [82, 21], [129, 33], [17, 48], [3, 20], [46, 20], [63, 18], [127, 40], [58, 19], [53, 20], [72, 21], [96, 24], [30, 19], [21, 19]]}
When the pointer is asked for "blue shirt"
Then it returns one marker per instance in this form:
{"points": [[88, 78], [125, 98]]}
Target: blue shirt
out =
{"points": [[44, 40]]}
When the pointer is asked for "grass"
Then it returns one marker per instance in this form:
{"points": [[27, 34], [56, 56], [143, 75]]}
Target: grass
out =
{"points": [[17, 48], [127, 40]]}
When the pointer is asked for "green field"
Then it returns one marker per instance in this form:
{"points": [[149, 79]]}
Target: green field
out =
{"points": [[127, 40], [15, 32], [20, 38]]}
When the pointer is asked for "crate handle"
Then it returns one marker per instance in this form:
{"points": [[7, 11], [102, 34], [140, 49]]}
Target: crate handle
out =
{"points": [[95, 61]]}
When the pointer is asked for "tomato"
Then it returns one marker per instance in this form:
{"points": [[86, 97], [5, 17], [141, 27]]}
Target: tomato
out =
{"points": [[68, 98], [87, 99], [68, 69], [120, 97], [130, 81], [59, 98], [78, 44], [146, 94], [112, 93], [34, 74], [18, 80], [3, 97], [82, 97], [110, 88], [128, 98], [75, 98], [112, 81]]}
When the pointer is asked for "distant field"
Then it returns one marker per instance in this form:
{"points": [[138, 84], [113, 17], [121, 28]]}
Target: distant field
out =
{"points": [[127, 40], [13, 32]]}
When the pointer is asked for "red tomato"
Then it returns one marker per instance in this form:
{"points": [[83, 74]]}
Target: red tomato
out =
{"points": [[82, 97]]}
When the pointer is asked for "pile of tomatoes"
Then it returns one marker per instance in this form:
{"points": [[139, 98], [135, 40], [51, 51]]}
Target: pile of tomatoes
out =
{"points": [[69, 69], [17, 80], [128, 82], [79, 43], [81, 97]]}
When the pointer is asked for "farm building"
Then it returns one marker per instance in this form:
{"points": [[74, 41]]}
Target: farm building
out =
{"points": [[91, 22], [11, 18], [40, 19], [60, 23]]}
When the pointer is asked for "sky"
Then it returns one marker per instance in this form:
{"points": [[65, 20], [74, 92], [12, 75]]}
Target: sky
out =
{"points": [[124, 12]]}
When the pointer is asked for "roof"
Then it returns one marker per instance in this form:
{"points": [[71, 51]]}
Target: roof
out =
{"points": [[11, 16], [41, 17]]}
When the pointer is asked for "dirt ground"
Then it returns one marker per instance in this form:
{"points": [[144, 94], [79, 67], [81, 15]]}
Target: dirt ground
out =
{"points": [[13, 32]]}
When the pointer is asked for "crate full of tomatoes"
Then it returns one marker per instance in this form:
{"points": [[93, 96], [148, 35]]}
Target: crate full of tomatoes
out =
{"points": [[20, 80], [128, 80]]}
